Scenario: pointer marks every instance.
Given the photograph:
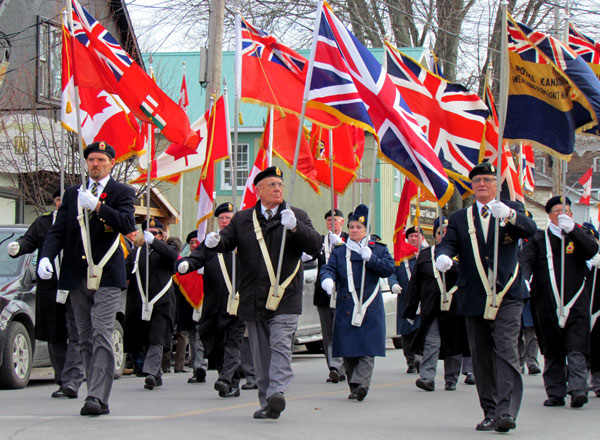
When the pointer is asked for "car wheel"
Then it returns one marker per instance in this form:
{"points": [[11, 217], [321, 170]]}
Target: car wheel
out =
{"points": [[119, 349], [16, 358], [397, 342]]}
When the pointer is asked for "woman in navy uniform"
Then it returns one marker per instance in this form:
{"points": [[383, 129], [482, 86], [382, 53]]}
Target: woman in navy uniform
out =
{"points": [[358, 334]]}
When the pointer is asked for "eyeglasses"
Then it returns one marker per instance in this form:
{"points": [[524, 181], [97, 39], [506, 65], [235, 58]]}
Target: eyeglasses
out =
{"points": [[273, 184], [476, 180]]}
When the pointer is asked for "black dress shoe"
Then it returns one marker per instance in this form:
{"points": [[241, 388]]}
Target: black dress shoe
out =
{"points": [[93, 407], [411, 370], [425, 384], [249, 386], [65, 393], [534, 369], [150, 382], [275, 405], [334, 375], [352, 395], [450, 386], [487, 424], [361, 392], [470, 379], [554, 401], [505, 423], [578, 399], [342, 378], [260, 413], [226, 390]]}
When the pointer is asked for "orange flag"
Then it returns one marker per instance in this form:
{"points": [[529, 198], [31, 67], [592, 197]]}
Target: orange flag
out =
{"points": [[403, 250]]}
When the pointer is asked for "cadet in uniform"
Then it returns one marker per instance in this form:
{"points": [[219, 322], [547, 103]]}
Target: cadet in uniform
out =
{"points": [[359, 327], [493, 339], [109, 207], [564, 340], [257, 234]]}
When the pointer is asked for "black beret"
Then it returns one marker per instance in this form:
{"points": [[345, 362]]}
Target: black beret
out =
{"points": [[268, 172], [223, 207], [375, 237], [99, 147], [436, 223], [360, 214], [482, 168], [413, 230], [193, 234], [154, 223], [56, 193], [553, 201], [336, 212]]}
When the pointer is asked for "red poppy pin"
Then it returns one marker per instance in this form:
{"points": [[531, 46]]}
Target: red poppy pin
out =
{"points": [[103, 196]]}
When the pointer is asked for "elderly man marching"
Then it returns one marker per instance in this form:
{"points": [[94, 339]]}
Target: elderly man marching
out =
{"points": [[359, 326], [93, 266], [492, 326], [564, 338], [221, 332], [270, 311]]}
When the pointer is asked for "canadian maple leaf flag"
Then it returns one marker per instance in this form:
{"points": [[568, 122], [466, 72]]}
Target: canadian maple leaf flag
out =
{"points": [[586, 181]]}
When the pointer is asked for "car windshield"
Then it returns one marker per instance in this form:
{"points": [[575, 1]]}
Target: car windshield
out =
{"points": [[9, 267]]}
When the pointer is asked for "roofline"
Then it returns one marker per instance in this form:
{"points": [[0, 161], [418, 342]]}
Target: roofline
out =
{"points": [[126, 31]]}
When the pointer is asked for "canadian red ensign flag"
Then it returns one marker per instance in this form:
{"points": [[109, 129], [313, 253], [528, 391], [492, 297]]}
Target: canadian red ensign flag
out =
{"points": [[586, 181]]}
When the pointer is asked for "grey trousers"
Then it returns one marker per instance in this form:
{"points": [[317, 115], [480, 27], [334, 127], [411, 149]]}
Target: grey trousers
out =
{"points": [[197, 359], [95, 313], [271, 346], [326, 317], [431, 354], [232, 357], [359, 370], [467, 365], [247, 363], [182, 343], [565, 374], [495, 354], [152, 360], [528, 347]]}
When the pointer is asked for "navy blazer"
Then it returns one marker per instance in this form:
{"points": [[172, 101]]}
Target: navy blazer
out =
{"points": [[116, 215], [471, 294]]}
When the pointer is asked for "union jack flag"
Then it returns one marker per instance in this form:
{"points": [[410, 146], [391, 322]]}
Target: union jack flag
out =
{"points": [[452, 117], [349, 82], [585, 47], [527, 167]]}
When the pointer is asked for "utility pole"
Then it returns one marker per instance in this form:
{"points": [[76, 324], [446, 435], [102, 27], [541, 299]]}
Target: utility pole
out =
{"points": [[215, 48], [557, 164]]}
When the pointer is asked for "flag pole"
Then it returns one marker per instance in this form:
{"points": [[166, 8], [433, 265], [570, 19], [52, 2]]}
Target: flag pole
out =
{"points": [[233, 175], [592, 317], [311, 62], [503, 97], [148, 173], [79, 135], [181, 182], [331, 177], [270, 152]]}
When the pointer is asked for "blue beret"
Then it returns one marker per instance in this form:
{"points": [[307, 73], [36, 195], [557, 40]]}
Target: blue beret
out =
{"points": [[360, 214]]}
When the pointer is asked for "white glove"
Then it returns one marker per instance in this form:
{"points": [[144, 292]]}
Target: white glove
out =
{"points": [[87, 199], [528, 285], [397, 289], [288, 219], [499, 209], [334, 239], [148, 237], [596, 261], [305, 257], [565, 223], [183, 267], [443, 263], [365, 253], [328, 285], [45, 269], [212, 240], [13, 248]]}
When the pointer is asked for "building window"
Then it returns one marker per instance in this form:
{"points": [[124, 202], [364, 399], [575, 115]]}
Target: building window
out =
{"points": [[242, 161], [540, 164], [596, 164], [48, 61], [398, 180]]}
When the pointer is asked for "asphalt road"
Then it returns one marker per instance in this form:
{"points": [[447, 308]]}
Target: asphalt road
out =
{"points": [[394, 408]]}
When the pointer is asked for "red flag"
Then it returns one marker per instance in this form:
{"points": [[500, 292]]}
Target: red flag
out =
{"points": [[102, 63], [104, 117], [216, 150], [586, 181], [191, 286], [527, 167], [183, 95], [274, 75], [403, 250], [285, 132], [260, 163], [348, 148]]}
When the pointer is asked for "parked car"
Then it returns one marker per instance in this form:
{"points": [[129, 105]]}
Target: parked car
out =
{"points": [[19, 350], [308, 332]]}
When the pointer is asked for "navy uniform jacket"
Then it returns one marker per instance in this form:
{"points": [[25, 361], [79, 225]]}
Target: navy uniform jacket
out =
{"points": [[402, 278], [471, 294], [368, 339], [321, 299], [115, 216]]}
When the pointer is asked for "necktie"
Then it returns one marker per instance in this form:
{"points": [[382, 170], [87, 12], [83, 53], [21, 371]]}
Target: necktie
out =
{"points": [[269, 213], [485, 211], [94, 189]]}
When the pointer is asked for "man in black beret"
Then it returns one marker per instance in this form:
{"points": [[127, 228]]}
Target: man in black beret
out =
{"points": [[564, 338], [493, 318], [271, 320], [93, 265], [322, 300], [54, 321]]}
